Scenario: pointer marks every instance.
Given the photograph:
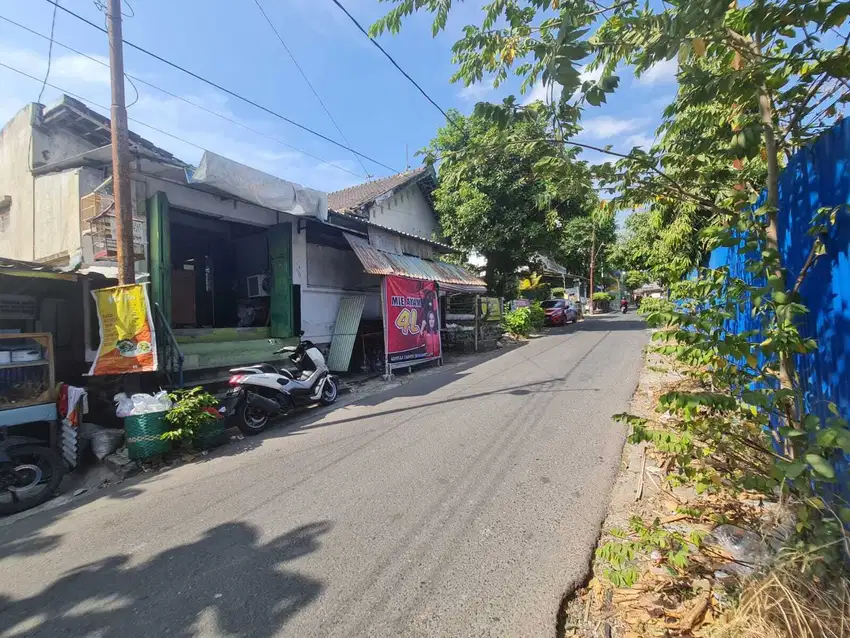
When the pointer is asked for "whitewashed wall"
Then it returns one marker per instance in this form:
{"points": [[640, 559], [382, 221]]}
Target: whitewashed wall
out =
{"points": [[326, 275], [407, 211]]}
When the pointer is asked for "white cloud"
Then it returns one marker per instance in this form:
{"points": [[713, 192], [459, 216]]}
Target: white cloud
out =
{"points": [[604, 126], [589, 76], [91, 81], [660, 73], [475, 92], [539, 92], [644, 141]]}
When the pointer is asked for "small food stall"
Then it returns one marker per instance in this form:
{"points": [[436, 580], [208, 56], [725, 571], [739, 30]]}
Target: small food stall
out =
{"points": [[27, 378], [42, 340]]}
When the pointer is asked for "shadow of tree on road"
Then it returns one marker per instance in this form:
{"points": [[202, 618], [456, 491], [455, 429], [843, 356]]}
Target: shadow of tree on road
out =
{"points": [[226, 583]]}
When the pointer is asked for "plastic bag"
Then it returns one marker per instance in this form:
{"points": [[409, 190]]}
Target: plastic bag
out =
{"points": [[141, 404], [123, 405], [747, 549], [104, 441]]}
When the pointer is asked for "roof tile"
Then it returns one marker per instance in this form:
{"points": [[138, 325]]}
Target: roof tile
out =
{"points": [[356, 196]]}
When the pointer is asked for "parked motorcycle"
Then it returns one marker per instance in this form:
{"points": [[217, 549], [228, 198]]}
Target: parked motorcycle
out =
{"points": [[30, 472], [262, 392]]}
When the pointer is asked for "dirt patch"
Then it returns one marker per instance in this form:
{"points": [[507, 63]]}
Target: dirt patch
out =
{"points": [[652, 573]]}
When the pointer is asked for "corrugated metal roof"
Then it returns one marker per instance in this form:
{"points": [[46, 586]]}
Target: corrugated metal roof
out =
{"points": [[18, 268], [377, 262], [345, 332]]}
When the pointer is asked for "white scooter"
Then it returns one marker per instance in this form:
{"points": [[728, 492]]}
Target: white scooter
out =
{"points": [[261, 392]]}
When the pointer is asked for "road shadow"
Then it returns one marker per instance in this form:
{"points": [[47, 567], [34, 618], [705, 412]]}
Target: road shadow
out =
{"points": [[613, 323], [226, 583], [27, 524]]}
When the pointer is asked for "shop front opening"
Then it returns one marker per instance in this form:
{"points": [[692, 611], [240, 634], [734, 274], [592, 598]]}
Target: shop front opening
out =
{"points": [[220, 274]]}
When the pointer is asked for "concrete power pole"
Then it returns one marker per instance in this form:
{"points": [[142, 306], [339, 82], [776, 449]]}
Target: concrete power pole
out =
{"points": [[121, 186]]}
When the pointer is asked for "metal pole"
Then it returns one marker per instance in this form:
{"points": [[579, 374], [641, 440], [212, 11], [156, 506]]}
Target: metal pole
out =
{"points": [[477, 312], [121, 186], [592, 262], [388, 374]]}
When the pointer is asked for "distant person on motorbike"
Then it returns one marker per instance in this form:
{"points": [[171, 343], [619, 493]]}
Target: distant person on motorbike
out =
{"points": [[624, 305]]}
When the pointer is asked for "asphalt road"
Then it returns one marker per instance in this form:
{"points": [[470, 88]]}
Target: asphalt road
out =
{"points": [[463, 503]]}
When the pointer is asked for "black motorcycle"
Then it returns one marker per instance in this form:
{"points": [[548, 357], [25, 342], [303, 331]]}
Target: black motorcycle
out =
{"points": [[30, 472]]}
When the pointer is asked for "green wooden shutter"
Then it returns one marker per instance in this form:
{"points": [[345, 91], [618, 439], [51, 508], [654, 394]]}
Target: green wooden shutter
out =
{"points": [[280, 252], [159, 252]]}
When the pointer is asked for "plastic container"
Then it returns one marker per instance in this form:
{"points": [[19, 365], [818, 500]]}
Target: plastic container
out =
{"points": [[143, 435], [210, 435]]}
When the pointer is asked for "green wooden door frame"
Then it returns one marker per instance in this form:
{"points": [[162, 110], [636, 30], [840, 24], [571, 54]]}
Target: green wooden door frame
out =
{"points": [[280, 303], [159, 252]]}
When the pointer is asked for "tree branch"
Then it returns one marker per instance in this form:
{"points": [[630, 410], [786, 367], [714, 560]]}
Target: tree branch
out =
{"points": [[810, 262]]}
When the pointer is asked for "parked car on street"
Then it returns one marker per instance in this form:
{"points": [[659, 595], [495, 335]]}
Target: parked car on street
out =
{"points": [[559, 312]]}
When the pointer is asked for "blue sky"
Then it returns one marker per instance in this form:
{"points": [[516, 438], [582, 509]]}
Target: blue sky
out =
{"points": [[229, 42]]}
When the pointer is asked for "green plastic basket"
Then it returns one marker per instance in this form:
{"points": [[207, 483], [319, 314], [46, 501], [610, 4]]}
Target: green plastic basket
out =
{"points": [[210, 435], [143, 435]]}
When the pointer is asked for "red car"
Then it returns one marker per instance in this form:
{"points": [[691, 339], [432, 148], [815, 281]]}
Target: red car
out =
{"points": [[559, 312]]}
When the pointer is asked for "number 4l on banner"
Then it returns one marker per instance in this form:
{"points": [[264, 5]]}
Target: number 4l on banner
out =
{"points": [[407, 322]]}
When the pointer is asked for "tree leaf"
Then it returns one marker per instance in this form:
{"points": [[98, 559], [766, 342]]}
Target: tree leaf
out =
{"points": [[821, 466]]}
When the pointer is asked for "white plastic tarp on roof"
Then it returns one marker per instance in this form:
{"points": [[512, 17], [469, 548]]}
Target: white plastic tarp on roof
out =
{"points": [[258, 187]]}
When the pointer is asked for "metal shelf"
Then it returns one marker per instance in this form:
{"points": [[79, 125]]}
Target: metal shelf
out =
{"points": [[24, 364]]}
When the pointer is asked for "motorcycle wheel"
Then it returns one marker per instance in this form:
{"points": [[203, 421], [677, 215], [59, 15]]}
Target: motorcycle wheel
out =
{"points": [[329, 392], [251, 420], [37, 473]]}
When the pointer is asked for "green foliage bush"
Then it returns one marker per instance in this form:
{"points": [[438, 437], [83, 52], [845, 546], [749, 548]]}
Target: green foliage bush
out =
{"points": [[523, 321], [651, 305], [603, 296], [536, 315], [191, 411], [518, 322], [558, 293]]}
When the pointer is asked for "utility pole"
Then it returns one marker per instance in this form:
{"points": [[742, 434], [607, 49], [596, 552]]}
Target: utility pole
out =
{"points": [[121, 186], [592, 262]]}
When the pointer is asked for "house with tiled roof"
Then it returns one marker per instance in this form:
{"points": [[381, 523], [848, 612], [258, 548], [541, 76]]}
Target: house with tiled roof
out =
{"points": [[234, 257], [401, 202]]}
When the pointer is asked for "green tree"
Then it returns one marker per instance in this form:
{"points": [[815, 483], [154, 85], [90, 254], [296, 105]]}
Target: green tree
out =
{"points": [[491, 199]]}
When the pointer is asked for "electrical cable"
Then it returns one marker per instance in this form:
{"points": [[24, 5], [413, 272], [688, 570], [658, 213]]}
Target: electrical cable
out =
{"points": [[100, 106], [395, 64], [130, 80], [49, 54], [223, 89], [304, 75], [186, 100]]}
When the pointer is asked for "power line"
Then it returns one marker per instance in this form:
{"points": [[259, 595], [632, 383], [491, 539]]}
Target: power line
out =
{"points": [[100, 106], [304, 75], [223, 89], [394, 63], [49, 53], [183, 99]]}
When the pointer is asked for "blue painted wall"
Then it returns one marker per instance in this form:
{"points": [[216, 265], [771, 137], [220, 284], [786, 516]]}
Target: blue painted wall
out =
{"points": [[817, 176]]}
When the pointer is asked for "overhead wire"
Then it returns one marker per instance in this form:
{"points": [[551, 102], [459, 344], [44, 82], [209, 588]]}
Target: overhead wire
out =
{"points": [[309, 84], [395, 64], [185, 100], [100, 106], [225, 90], [49, 54]]}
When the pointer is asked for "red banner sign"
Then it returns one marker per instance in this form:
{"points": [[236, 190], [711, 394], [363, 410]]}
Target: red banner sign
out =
{"points": [[413, 320]]}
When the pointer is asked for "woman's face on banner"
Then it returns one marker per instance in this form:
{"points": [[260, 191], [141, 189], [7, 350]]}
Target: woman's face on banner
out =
{"points": [[432, 320]]}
